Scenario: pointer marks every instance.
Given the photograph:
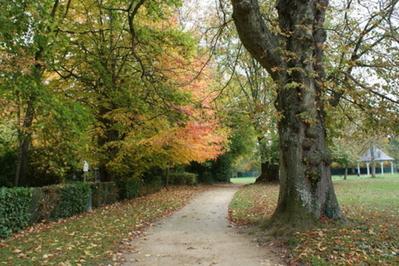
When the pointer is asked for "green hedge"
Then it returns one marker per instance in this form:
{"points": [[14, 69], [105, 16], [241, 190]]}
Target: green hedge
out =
{"points": [[152, 183], [21, 207], [182, 178], [129, 188], [74, 199], [132, 188], [104, 193], [60, 201], [15, 210]]}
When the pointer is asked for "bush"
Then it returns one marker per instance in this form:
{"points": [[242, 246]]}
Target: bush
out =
{"points": [[74, 199], [129, 188], [8, 168], [20, 207], [222, 168], [183, 178], [152, 182], [60, 201], [103, 193], [15, 211], [203, 172], [44, 201]]}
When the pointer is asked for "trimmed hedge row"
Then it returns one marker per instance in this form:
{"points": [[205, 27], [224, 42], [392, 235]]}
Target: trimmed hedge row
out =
{"points": [[104, 193], [151, 184], [182, 178], [60, 201], [129, 188], [21, 207], [15, 206]]}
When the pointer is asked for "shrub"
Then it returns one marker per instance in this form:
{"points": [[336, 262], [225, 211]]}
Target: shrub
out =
{"points": [[104, 193], [8, 168], [44, 201], [74, 199], [129, 188], [203, 171], [15, 212], [152, 182], [60, 201], [183, 178]]}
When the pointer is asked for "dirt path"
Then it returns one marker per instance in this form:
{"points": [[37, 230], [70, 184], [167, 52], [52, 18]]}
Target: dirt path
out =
{"points": [[199, 234]]}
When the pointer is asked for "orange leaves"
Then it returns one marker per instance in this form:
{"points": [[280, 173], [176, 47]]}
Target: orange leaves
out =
{"points": [[200, 137], [196, 141]]}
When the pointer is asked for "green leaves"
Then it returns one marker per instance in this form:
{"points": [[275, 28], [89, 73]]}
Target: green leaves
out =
{"points": [[15, 210]]}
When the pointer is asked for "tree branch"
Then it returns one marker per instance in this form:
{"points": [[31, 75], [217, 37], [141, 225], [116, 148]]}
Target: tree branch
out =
{"points": [[257, 38]]}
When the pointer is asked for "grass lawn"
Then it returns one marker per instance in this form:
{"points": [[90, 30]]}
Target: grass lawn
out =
{"points": [[91, 238], [371, 235], [251, 180], [243, 180]]}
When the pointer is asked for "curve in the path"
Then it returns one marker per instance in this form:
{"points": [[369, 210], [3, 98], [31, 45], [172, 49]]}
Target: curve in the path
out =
{"points": [[199, 234]]}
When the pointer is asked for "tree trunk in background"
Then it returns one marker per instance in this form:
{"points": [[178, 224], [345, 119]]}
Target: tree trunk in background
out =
{"points": [[372, 153], [269, 173], [295, 63], [346, 173], [25, 138]]}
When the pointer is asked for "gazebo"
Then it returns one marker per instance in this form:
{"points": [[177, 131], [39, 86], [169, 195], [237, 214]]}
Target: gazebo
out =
{"points": [[377, 155]]}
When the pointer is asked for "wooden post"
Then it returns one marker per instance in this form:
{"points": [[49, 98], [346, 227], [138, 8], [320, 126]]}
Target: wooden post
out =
{"points": [[382, 168], [358, 169], [392, 167]]}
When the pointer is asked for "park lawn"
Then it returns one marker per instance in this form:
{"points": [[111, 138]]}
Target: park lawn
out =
{"points": [[91, 238], [370, 236], [243, 180]]}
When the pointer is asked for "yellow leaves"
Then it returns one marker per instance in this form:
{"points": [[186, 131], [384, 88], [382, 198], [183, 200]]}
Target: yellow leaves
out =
{"points": [[17, 251], [252, 204]]}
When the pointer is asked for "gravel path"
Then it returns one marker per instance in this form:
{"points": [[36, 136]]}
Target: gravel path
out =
{"points": [[199, 234]]}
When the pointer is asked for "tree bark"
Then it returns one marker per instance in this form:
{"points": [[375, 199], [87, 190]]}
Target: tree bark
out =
{"points": [[294, 60]]}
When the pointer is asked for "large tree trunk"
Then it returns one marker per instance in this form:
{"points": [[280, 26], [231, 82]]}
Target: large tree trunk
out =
{"points": [[306, 189], [294, 60]]}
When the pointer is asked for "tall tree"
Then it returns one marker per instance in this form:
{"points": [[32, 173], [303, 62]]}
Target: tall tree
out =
{"points": [[132, 63], [27, 34], [294, 59]]}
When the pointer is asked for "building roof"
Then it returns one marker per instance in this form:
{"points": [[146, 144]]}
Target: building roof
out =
{"points": [[379, 155]]}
